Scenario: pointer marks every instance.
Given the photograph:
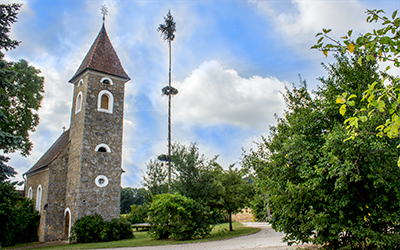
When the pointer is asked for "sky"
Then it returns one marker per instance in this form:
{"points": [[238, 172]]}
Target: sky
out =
{"points": [[231, 60]]}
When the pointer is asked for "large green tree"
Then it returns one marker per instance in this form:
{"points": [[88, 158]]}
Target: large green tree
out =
{"points": [[320, 188], [382, 95], [21, 90]]}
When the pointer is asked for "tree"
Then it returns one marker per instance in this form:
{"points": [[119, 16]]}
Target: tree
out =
{"points": [[18, 216], [197, 178], [155, 178], [132, 196], [322, 189], [236, 193], [382, 95], [21, 90], [167, 30]]}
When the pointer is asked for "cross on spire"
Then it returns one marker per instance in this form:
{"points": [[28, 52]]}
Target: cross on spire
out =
{"points": [[104, 11]]}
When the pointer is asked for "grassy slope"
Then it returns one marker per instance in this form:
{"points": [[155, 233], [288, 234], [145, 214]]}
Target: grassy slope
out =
{"points": [[142, 238]]}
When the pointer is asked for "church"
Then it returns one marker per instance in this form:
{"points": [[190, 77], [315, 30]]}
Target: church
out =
{"points": [[80, 174]]}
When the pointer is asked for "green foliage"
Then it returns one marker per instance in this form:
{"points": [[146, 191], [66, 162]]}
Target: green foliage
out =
{"points": [[8, 16], [235, 192], [198, 178], [87, 229], [116, 229], [155, 178], [132, 196], [320, 188], [168, 28], [138, 213], [92, 228], [382, 97], [21, 90], [18, 218], [178, 217]]}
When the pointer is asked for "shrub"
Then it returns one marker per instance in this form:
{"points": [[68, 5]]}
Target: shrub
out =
{"points": [[92, 228], [138, 213], [116, 229], [177, 216], [87, 229], [18, 217]]}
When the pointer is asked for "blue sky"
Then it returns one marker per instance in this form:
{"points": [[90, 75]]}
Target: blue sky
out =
{"points": [[230, 59]]}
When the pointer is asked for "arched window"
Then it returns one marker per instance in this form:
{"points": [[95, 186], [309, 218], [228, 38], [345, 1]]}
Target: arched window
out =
{"points": [[78, 104], [39, 197], [105, 101], [103, 148], [67, 228], [80, 82], [30, 193], [107, 80]]}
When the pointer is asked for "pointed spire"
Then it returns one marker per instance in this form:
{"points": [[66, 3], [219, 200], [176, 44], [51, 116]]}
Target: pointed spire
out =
{"points": [[102, 58]]}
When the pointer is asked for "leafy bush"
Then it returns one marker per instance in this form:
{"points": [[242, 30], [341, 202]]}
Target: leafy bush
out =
{"points": [[116, 229], [18, 218], [138, 213], [87, 229], [92, 228], [177, 216]]}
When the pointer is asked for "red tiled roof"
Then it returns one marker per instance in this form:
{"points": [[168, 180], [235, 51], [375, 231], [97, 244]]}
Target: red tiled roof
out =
{"points": [[52, 153], [102, 57]]}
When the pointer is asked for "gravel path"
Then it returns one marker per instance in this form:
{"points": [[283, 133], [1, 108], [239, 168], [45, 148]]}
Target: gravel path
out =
{"points": [[267, 238]]}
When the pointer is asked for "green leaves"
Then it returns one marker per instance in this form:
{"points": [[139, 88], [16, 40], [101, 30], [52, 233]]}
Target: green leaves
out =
{"points": [[315, 175]]}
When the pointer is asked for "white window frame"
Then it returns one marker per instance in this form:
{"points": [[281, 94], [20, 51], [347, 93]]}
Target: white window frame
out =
{"points": [[65, 214], [107, 78], [78, 102], [110, 101], [39, 197], [101, 177], [108, 150], [80, 82], [30, 193]]}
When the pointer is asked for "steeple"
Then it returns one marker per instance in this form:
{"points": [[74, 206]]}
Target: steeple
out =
{"points": [[102, 58]]}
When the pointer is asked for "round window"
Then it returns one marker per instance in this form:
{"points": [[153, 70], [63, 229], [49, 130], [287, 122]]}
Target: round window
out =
{"points": [[101, 181]]}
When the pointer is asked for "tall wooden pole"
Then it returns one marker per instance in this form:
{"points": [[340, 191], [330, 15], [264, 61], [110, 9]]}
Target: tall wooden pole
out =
{"points": [[169, 120]]}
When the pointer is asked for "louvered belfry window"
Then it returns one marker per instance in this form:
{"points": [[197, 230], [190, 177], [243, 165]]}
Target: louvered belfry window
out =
{"points": [[104, 102]]}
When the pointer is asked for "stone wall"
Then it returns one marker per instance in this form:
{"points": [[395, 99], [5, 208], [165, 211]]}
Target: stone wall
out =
{"points": [[89, 128], [55, 222], [41, 177]]}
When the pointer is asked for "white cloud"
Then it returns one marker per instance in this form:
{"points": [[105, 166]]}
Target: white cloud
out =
{"points": [[299, 23], [212, 95]]}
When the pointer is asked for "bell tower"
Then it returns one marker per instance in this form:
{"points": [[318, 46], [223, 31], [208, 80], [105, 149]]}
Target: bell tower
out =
{"points": [[94, 169]]}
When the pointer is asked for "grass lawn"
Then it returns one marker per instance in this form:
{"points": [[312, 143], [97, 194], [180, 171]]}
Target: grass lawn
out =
{"points": [[142, 238]]}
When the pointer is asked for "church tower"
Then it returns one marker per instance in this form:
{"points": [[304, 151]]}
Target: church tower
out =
{"points": [[95, 153], [80, 174]]}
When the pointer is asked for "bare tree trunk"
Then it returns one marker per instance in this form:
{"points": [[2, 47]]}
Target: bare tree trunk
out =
{"points": [[169, 119], [230, 222]]}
